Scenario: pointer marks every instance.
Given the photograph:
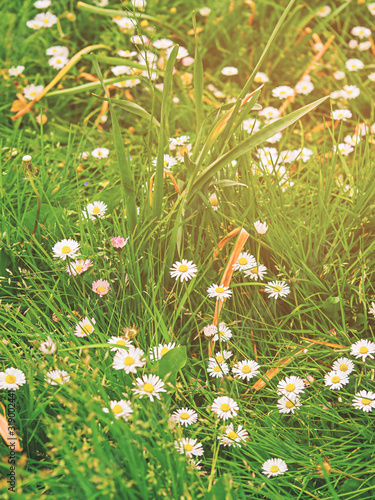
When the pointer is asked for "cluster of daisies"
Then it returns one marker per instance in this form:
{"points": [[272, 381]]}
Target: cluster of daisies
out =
{"points": [[44, 19], [179, 146]]}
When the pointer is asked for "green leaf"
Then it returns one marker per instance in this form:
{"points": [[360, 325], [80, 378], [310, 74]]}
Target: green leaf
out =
{"points": [[228, 182], [171, 363], [198, 80], [131, 107]]}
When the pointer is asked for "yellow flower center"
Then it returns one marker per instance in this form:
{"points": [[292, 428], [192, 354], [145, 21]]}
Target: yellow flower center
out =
{"points": [[363, 349], [148, 387], [128, 361], [335, 379], [289, 404], [217, 369], [58, 61], [274, 468], [242, 261], [366, 401], [277, 289], [282, 92], [188, 447], [59, 380], [220, 358], [32, 94], [120, 342], [290, 387], [79, 268], [184, 415], [257, 79], [183, 268], [164, 351], [95, 210], [232, 435], [219, 289], [349, 91], [87, 329], [100, 153], [45, 20], [343, 367], [221, 333], [360, 32], [225, 407], [246, 369], [117, 409], [10, 379], [65, 249], [213, 202], [101, 289], [254, 270]]}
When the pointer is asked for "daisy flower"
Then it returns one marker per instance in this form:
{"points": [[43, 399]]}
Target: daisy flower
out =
{"points": [[205, 11], [246, 369], [163, 43], [223, 333], [371, 8], [338, 75], [125, 23], [48, 346], [220, 357], [343, 148], [139, 4], [324, 11], [341, 114], [33, 24], [42, 4], [58, 62], [16, 71], [277, 289], [210, 330], [149, 385], [260, 227], [350, 92], [184, 270], [32, 91], [244, 261], [119, 241], [93, 210], [362, 349], [251, 125], [185, 416], [365, 45], [85, 327], [258, 271], [213, 201], [79, 266], [120, 409], [66, 248], [168, 160], [229, 71], [364, 400], [274, 467], [288, 404], [58, 50], [217, 370], [270, 113], [57, 377], [352, 140], [283, 92], [101, 287], [354, 64], [261, 78], [304, 87], [181, 53], [233, 437], [189, 447], [127, 53], [290, 386], [361, 32], [120, 342], [46, 19], [220, 292], [177, 142], [158, 352], [100, 153], [372, 309], [12, 379], [343, 365], [336, 379], [225, 407], [129, 359]]}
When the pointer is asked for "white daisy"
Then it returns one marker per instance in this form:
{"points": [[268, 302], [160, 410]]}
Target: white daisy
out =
{"points": [[251, 125], [233, 437], [338, 75], [46, 19], [362, 349], [213, 201], [365, 45], [139, 40], [260, 227], [149, 385], [324, 11], [343, 148], [158, 352], [283, 92], [290, 386], [127, 53], [361, 32], [42, 4], [163, 43], [189, 447], [210, 330], [48, 346], [244, 261], [288, 404], [354, 64], [121, 70], [336, 379], [85, 327], [57, 377], [169, 161], [229, 71], [223, 332], [352, 140], [371, 8], [343, 365], [184, 270], [78, 266], [246, 369], [274, 467], [304, 87], [120, 342], [95, 209], [120, 409], [220, 292], [277, 289], [270, 113], [58, 50], [16, 71], [185, 416], [350, 92], [261, 77], [372, 309], [220, 357], [33, 24], [66, 248], [364, 400], [225, 407], [341, 114], [177, 142], [258, 271], [217, 370], [100, 153], [58, 62], [129, 359], [12, 378], [32, 91], [181, 53]]}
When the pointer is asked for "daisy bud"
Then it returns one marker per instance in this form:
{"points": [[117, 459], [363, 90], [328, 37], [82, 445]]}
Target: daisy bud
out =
{"points": [[261, 228]]}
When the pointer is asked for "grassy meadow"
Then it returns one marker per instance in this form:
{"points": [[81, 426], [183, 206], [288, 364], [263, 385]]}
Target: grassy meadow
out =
{"points": [[187, 257]]}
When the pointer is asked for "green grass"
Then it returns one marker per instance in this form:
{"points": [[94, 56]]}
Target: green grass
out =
{"points": [[320, 242]]}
